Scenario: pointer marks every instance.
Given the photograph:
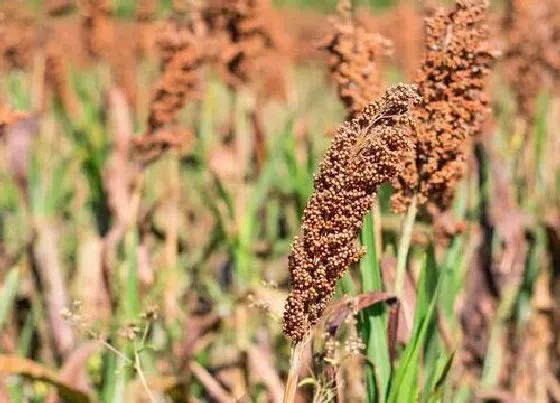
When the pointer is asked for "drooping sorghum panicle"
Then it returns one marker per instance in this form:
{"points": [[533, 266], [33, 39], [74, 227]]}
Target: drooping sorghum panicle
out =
{"points": [[366, 152], [245, 33], [531, 58], [354, 60], [149, 148], [182, 60], [451, 83]]}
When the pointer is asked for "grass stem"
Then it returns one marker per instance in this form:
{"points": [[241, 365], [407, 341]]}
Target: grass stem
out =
{"points": [[402, 255], [292, 381], [141, 376]]}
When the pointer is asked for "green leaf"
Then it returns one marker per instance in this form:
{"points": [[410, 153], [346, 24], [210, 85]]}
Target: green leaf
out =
{"points": [[8, 295], [404, 387], [373, 320], [132, 286]]}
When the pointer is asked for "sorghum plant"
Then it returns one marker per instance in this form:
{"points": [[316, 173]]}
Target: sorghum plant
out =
{"points": [[354, 58], [532, 50], [451, 84], [366, 152]]}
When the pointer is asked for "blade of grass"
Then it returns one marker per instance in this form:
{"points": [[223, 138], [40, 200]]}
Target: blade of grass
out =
{"points": [[402, 257], [495, 354], [433, 350], [404, 387], [373, 320], [540, 141], [7, 297], [132, 299]]}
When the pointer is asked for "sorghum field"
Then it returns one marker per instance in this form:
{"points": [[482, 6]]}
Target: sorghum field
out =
{"points": [[279, 201]]}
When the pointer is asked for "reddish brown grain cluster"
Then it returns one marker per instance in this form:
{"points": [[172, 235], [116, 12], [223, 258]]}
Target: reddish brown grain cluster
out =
{"points": [[451, 83], [366, 152], [355, 55], [246, 35], [182, 59], [532, 55]]}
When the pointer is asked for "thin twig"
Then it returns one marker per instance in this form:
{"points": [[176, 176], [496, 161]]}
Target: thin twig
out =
{"points": [[140, 373], [145, 334], [108, 346]]}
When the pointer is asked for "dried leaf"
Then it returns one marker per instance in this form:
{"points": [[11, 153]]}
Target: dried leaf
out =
{"points": [[47, 259], [14, 365], [173, 387], [73, 371], [212, 386], [338, 311]]}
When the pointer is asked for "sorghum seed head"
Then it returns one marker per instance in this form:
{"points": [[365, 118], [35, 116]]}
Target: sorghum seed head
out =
{"points": [[451, 83], [365, 152], [531, 56], [354, 58]]}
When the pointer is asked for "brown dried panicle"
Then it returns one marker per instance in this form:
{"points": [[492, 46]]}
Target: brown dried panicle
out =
{"points": [[246, 34], [148, 148], [366, 152], [354, 58], [451, 83], [182, 60], [531, 57]]}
